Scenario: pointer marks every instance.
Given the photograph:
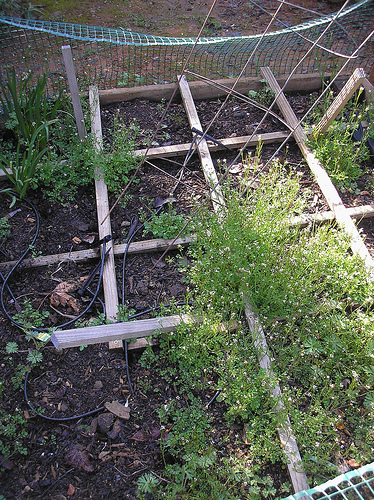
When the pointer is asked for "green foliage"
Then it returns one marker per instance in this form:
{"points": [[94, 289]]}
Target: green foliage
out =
{"points": [[29, 113], [27, 108], [23, 169], [4, 227], [314, 299], [13, 428], [264, 96], [11, 347], [30, 317], [339, 154], [118, 160], [67, 167], [166, 225], [148, 483]]}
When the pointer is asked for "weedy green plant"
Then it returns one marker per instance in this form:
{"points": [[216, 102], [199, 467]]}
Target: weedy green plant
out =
{"points": [[118, 159], [21, 172], [28, 108], [4, 227], [30, 317], [339, 153], [341, 156], [264, 96], [166, 224], [314, 300]]}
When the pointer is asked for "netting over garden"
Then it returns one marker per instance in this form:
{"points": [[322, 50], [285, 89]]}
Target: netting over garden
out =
{"points": [[116, 57]]}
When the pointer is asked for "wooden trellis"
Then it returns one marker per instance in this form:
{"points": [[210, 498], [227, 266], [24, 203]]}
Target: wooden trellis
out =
{"points": [[117, 332]]}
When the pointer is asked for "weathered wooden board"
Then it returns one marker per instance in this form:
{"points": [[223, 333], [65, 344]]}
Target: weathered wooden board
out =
{"points": [[202, 146], [286, 436], [160, 245], [157, 245], [117, 331], [203, 90], [231, 142], [350, 87], [328, 189], [102, 204]]}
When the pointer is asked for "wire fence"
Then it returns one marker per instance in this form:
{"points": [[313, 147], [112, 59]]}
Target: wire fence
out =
{"points": [[119, 58]]}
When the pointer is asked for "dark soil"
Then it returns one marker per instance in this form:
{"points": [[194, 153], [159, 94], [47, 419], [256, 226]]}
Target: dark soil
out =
{"points": [[99, 455]]}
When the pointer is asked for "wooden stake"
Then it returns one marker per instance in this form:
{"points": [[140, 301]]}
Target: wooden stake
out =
{"points": [[286, 436], [324, 181], [203, 150], [102, 202], [74, 93], [341, 100]]}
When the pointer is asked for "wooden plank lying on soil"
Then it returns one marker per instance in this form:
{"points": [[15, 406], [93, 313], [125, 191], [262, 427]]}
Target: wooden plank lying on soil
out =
{"points": [[182, 149], [117, 331], [156, 245], [203, 90], [328, 189], [202, 146], [160, 245], [102, 204], [286, 436], [349, 88], [231, 142]]}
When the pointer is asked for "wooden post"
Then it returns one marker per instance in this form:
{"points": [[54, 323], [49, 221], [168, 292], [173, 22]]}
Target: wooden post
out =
{"points": [[74, 93], [350, 87], [328, 189], [102, 202], [203, 150]]}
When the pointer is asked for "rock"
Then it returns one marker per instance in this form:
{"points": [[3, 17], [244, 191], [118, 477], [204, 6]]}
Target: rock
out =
{"points": [[98, 385], [105, 421]]}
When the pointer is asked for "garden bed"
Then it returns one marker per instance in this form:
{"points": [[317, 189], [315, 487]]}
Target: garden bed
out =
{"points": [[101, 455]]}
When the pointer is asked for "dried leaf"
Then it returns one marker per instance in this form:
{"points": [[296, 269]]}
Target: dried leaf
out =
{"points": [[104, 455], [6, 463], [118, 409], [140, 436], [77, 459], [236, 169], [352, 463], [71, 490], [76, 240], [89, 238], [61, 295], [157, 263], [159, 202]]}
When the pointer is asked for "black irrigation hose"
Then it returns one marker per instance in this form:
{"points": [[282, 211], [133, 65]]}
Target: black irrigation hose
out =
{"points": [[5, 285], [97, 410]]}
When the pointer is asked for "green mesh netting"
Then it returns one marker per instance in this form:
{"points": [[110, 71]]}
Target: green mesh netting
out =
{"points": [[115, 57], [354, 485]]}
